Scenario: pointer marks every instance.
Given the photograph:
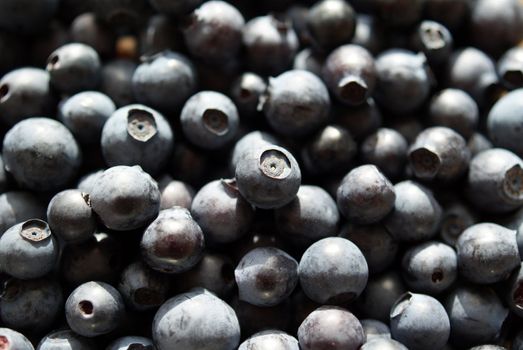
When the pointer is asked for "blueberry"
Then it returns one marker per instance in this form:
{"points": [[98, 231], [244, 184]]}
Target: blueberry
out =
{"points": [[450, 13], [456, 218], [375, 242], [214, 272], [94, 308], [270, 339], [161, 74], [311, 216], [222, 213], [331, 23], [28, 250], [137, 135], [476, 315], [403, 80], [383, 344], [309, 60], [333, 270], [381, 293], [11, 339], [121, 14], [419, 321], [246, 91], [454, 109], [97, 259], [31, 305], [509, 68], [173, 242], [271, 44], [65, 340], [430, 267], [117, 81], [19, 206], [478, 143], [350, 73], [488, 347], [213, 31], [330, 327], [85, 115], [331, 148], [487, 253], [175, 193], [517, 344], [125, 198], [365, 195], [88, 29], [209, 119], [266, 276], [505, 122], [360, 121], [142, 288], [131, 343], [495, 181], [416, 215], [374, 329], [514, 296], [70, 216], [24, 93], [398, 13], [268, 176], [74, 67], [439, 153], [369, 33], [244, 145], [386, 149], [26, 16], [296, 103], [194, 320], [434, 40], [175, 8], [159, 34], [86, 182], [41, 154]]}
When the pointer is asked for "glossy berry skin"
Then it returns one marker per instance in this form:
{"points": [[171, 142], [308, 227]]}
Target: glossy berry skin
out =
{"points": [[416, 215], [117, 81], [374, 329], [311, 216], [27, 16], [476, 315], [244, 145], [439, 153], [214, 31], [31, 305], [331, 23], [271, 44], [172, 243], [175, 8], [74, 67], [510, 68], [125, 198], [130, 343], [383, 344], [41, 154], [194, 320], [266, 276], [268, 176], [495, 181], [245, 93], [94, 308], [222, 213], [25, 92], [28, 250], [365, 195], [434, 40], [331, 148], [70, 216], [505, 122], [296, 103], [65, 340], [487, 253], [19, 206], [326, 277], [209, 119], [419, 321], [430, 267], [386, 149], [454, 109], [270, 339], [11, 339], [350, 73], [478, 143], [175, 193], [159, 75], [85, 115], [137, 135], [330, 327], [142, 288], [403, 82], [375, 242]]}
